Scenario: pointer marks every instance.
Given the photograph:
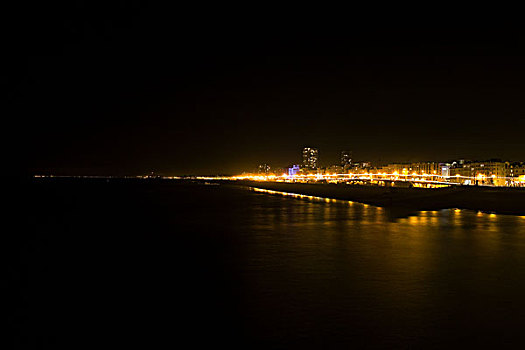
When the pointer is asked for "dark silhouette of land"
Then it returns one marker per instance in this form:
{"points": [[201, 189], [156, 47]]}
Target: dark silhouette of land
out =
{"points": [[500, 200]]}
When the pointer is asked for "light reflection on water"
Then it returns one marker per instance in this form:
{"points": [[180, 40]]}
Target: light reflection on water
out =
{"points": [[372, 213], [360, 267], [269, 270]]}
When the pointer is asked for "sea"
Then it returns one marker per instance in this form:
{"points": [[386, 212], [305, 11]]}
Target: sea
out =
{"points": [[120, 263]]}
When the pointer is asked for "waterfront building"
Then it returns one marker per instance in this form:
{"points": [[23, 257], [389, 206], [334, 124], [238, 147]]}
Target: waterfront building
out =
{"points": [[431, 168], [460, 173], [358, 167], [445, 169], [293, 170], [335, 169], [515, 169], [491, 172], [519, 171], [346, 159], [419, 168], [263, 169], [397, 168], [310, 158]]}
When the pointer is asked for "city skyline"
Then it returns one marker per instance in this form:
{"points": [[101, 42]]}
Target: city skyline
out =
{"points": [[310, 160], [108, 95], [491, 172]]}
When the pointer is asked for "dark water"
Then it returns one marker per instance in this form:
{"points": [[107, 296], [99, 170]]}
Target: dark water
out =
{"points": [[124, 264]]}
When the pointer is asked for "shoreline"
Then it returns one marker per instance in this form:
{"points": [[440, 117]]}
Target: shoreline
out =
{"points": [[498, 200], [486, 199]]}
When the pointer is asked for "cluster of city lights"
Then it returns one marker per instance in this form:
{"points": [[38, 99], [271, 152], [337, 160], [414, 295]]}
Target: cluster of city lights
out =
{"points": [[428, 180], [371, 177]]}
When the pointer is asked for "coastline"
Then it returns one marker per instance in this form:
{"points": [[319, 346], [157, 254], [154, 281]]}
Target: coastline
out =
{"points": [[485, 199], [498, 200]]}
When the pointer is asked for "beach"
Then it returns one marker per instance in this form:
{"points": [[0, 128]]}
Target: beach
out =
{"points": [[499, 200]]}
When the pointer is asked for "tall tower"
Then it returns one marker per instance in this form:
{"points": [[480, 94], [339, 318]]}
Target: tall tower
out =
{"points": [[346, 159], [263, 169], [310, 158]]}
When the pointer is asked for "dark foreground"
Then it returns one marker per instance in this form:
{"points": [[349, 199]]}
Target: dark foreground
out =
{"points": [[186, 265], [488, 199]]}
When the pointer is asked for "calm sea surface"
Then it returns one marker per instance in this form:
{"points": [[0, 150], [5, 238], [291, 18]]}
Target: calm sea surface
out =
{"points": [[118, 263]]}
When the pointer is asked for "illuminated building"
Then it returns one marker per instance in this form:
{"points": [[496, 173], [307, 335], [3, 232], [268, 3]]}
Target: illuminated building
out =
{"points": [[490, 172], [515, 169], [493, 172], [334, 169], [346, 159], [263, 169], [519, 171], [430, 168], [293, 170], [459, 173], [310, 158], [360, 166], [445, 169], [426, 168]]}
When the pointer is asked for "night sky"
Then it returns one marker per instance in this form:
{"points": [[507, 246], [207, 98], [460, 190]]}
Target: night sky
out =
{"points": [[126, 89]]}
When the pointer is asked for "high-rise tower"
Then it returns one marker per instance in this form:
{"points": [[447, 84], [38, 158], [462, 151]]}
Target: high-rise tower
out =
{"points": [[310, 158], [346, 159]]}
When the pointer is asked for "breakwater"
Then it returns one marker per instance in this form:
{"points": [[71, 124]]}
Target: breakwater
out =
{"points": [[488, 199]]}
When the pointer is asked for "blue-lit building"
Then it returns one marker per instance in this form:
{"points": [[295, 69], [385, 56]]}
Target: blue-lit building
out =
{"points": [[293, 170]]}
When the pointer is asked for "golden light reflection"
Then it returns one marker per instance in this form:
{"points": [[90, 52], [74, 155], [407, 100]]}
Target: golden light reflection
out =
{"points": [[413, 220], [302, 196], [290, 194]]}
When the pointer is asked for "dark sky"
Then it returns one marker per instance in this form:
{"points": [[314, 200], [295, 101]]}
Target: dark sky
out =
{"points": [[130, 89]]}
